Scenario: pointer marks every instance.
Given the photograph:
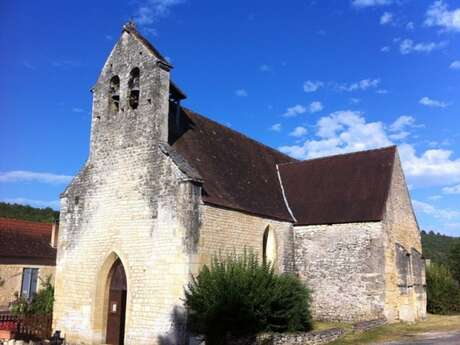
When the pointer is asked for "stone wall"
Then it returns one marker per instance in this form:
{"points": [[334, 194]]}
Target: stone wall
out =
{"points": [[11, 275], [308, 338], [405, 296], [130, 201], [225, 232], [343, 265]]}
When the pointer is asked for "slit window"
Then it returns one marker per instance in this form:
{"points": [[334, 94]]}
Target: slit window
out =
{"points": [[133, 86], [115, 94]]}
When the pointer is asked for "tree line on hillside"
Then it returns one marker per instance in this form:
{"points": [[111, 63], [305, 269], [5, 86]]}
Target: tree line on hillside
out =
{"points": [[25, 212]]}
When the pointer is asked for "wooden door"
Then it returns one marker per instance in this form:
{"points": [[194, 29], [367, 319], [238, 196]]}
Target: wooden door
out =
{"points": [[117, 305]]}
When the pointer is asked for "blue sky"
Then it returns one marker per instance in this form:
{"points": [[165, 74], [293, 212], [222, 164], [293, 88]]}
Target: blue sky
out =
{"points": [[308, 77]]}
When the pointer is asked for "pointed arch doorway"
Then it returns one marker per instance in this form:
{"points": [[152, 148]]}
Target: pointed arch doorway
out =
{"points": [[116, 313]]}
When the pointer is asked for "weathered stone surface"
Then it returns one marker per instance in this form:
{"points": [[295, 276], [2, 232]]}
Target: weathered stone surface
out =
{"points": [[364, 326], [309, 338], [343, 266]]}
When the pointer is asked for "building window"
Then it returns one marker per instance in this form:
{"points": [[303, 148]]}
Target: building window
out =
{"points": [[269, 247], [114, 94], [29, 282], [133, 85]]}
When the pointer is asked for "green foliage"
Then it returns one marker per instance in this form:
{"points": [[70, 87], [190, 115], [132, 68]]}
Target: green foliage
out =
{"points": [[436, 246], [45, 215], [240, 296], [454, 260], [40, 304], [443, 291]]}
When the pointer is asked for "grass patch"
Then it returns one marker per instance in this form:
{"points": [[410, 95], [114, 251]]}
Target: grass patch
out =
{"points": [[397, 331]]}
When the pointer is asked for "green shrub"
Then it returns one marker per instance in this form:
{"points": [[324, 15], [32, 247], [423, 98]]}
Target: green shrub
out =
{"points": [[454, 260], [40, 304], [240, 296], [443, 291]]}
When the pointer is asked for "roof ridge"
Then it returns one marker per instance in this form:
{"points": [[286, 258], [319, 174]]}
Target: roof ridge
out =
{"points": [[341, 155], [243, 135]]}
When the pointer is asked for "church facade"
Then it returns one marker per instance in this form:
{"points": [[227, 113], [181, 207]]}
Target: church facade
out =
{"points": [[164, 189]]}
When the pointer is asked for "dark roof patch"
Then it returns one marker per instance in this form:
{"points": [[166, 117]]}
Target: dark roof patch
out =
{"points": [[238, 172], [339, 189], [25, 242]]}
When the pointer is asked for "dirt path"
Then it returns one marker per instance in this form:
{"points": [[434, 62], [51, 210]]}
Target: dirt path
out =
{"points": [[428, 338]]}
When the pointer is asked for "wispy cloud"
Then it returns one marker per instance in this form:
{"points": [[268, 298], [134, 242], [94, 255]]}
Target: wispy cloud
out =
{"points": [[55, 204], [362, 85], [149, 12], [295, 110], [433, 103], [28, 65], [276, 127], [312, 86], [386, 18], [408, 46], [265, 68], [455, 65], [452, 189], [438, 14], [108, 37], [385, 49], [241, 93], [299, 132], [433, 211], [370, 3], [315, 107], [32, 176], [78, 110], [410, 26], [65, 64]]}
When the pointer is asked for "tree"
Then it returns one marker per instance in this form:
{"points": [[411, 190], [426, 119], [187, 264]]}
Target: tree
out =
{"points": [[443, 291], [239, 296], [454, 260]]}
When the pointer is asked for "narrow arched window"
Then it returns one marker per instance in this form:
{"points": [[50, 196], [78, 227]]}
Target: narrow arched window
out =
{"points": [[133, 86], [269, 247], [114, 94]]}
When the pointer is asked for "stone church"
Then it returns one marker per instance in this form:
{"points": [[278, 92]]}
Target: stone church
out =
{"points": [[164, 189]]}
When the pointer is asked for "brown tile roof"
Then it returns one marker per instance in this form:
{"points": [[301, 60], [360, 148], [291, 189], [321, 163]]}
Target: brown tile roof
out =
{"points": [[339, 189], [237, 172], [25, 242]]}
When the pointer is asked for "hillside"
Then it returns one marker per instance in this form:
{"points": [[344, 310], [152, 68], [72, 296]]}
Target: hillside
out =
{"points": [[436, 246], [23, 212]]}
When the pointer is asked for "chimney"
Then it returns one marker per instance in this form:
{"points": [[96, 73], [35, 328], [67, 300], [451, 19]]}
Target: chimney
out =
{"points": [[54, 234]]}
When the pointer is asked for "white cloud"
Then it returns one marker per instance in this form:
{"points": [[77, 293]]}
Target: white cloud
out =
{"points": [[438, 14], [265, 68], [434, 167], [410, 26], [298, 132], [382, 91], [354, 100], [402, 122], [435, 197], [312, 86], [149, 11], [276, 127], [408, 46], [455, 65], [341, 132], [370, 3], [31, 176], [452, 189], [435, 212], [362, 85], [78, 110], [55, 204], [385, 49], [295, 110], [348, 131], [433, 103], [315, 107], [241, 93], [386, 18]]}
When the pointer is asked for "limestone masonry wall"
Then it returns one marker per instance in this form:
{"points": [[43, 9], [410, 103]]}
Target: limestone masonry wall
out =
{"points": [[405, 296], [131, 202], [11, 276], [227, 231], [343, 266]]}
